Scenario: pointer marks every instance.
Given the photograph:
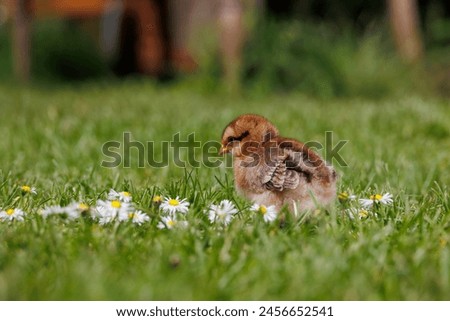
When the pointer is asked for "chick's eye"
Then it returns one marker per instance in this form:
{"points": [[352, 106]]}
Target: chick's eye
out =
{"points": [[241, 137]]}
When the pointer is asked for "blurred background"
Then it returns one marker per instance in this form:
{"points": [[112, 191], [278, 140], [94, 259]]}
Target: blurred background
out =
{"points": [[324, 48]]}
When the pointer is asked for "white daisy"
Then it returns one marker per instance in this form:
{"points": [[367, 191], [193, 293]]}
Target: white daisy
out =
{"points": [[268, 212], [175, 205], [170, 222], [26, 189], [74, 209], [51, 210], [11, 214], [222, 213], [356, 212], [137, 217], [107, 211], [387, 199], [104, 217], [376, 199], [121, 196]]}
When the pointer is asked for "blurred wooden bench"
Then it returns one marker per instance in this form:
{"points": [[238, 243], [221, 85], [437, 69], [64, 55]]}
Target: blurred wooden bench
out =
{"points": [[67, 8]]}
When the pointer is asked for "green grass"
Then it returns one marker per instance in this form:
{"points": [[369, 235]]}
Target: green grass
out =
{"points": [[51, 138]]}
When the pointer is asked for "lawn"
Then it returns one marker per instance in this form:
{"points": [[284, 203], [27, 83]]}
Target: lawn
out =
{"points": [[52, 138]]}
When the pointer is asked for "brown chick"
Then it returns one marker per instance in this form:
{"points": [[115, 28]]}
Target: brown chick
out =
{"points": [[274, 170]]}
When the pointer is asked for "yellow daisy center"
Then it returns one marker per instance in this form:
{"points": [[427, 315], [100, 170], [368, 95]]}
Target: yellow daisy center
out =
{"points": [[376, 197], [131, 215], [116, 204], [343, 196], [363, 213], [26, 188], [83, 207], [10, 211], [173, 202], [126, 194], [171, 223], [263, 209], [157, 199]]}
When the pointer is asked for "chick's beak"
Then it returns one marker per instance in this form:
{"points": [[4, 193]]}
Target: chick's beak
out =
{"points": [[224, 150]]}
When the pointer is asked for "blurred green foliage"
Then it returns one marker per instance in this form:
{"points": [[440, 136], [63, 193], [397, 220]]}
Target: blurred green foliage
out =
{"points": [[318, 60], [62, 51], [5, 54]]}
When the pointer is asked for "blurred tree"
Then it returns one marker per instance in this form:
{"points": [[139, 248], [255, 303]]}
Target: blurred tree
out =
{"points": [[21, 40], [154, 37], [144, 38], [231, 41], [404, 19], [180, 15]]}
